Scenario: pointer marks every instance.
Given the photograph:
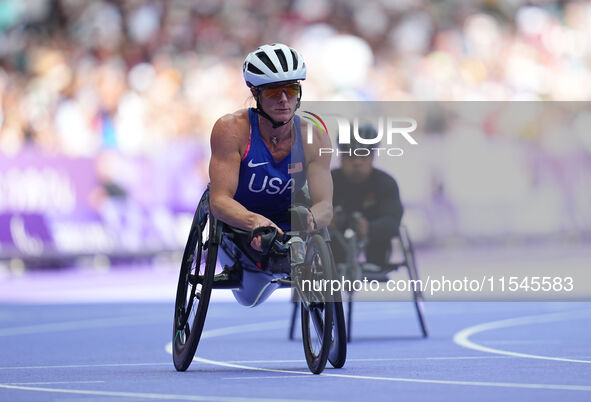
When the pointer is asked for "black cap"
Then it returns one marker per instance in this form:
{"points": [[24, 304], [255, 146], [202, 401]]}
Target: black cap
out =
{"points": [[367, 132]]}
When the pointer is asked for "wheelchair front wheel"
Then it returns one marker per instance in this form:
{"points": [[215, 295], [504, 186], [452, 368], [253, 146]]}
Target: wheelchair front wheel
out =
{"points": [[318, 316], [338, 349], [194, 286]]}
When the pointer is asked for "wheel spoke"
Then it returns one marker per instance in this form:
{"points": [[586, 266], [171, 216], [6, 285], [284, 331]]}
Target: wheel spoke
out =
{"points": [[187, 332]]}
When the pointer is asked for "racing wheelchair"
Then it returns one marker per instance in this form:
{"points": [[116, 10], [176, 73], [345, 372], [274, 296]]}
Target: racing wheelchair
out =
{"points": [[309, 258], [352, 269]]}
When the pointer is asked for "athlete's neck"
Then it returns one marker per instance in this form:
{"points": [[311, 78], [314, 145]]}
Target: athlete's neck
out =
{"points": [[275, 135]]}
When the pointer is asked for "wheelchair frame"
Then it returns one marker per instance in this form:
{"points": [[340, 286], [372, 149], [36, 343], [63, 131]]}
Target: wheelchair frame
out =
{"points": [[353, 270], [197, 279]]}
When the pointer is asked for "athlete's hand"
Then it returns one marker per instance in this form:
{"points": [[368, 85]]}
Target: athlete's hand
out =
{"points": [[261, 221]]}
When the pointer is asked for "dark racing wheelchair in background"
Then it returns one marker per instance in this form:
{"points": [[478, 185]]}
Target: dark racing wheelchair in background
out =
{"points": [[402, 256], [309, 258]]}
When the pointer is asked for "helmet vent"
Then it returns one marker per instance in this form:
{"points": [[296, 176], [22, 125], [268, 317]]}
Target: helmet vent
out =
{"points": [[265, 59], [294, 57], [253, 69], [282, 59]]}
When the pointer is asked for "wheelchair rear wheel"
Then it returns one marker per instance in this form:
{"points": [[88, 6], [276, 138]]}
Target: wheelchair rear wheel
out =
{"points": [[318, 316], [194, 286]]}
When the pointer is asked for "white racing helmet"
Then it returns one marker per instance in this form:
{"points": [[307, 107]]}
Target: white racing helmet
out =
{"points": [[273, 63]]}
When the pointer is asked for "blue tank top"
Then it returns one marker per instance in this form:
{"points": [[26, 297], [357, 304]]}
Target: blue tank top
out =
{"points": [[266, 187]]}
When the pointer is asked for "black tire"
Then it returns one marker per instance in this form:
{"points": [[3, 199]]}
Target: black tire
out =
{"points": [[317, 337], [194, 286], [338, 349]]}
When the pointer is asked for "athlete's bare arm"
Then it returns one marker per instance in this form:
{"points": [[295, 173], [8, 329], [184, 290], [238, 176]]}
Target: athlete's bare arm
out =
{"points": [[229, 140], [319, 177]]}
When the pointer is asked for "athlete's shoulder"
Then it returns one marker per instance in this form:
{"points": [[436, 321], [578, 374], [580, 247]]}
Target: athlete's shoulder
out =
{"points": [[233, 121], [231, 132], [319, 137]]}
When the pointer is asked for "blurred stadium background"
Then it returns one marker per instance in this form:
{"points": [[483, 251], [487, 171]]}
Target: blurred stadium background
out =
{"points": [[106, 109]]}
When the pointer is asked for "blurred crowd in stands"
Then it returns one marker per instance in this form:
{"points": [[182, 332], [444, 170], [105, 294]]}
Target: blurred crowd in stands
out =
{"points": [[133, 87], [79, 76]]}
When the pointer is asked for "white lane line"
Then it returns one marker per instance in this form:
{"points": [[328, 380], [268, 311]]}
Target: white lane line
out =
{"points": [[462, 337], [82, 324], [559, 387], [68, 366], [54, 382], [262, 377], [387, 359], [377, 359], [522, 342], [236, 329], [140, 395]]}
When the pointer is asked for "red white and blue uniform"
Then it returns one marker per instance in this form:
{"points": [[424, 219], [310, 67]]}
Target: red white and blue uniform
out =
{"points": [[266, 187]]}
